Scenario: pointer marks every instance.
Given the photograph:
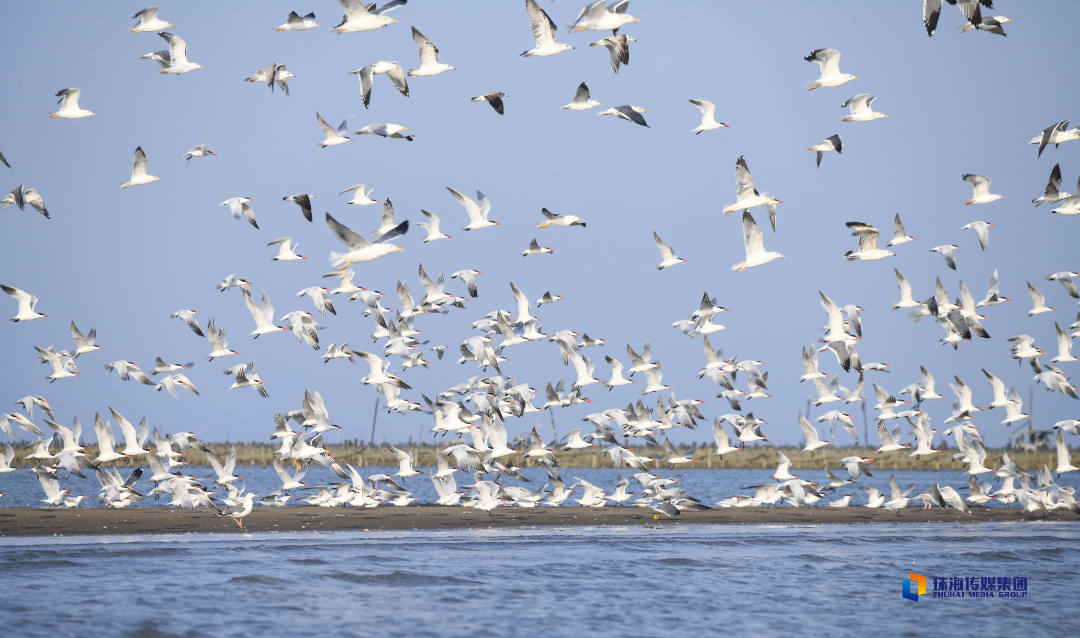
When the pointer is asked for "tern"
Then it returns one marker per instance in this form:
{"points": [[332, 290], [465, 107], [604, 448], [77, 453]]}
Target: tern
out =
{"points": [[667, 256], [199, 151], [754, 244], [285, 250], [360, 198], [478, 211], [708, 111], [333, 138], [27, 303], [239, 208], [360, 249]]}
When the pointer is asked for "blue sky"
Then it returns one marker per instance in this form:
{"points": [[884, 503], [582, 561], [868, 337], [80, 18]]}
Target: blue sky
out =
{"points": [[123, 260]]}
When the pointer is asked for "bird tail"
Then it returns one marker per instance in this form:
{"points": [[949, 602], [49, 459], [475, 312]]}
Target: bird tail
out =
{"points": [[336, 258]]}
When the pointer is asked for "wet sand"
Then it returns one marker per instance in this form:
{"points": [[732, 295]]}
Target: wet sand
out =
{"points": [[160, 520]]}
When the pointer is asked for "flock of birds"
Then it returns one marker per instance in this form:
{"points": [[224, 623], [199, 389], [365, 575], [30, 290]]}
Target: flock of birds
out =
{"points": [[480, 443]]}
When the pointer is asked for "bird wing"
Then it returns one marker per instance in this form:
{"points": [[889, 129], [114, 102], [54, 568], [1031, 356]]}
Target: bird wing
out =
{"points": [[665, 250], [753, 240], [351, 238], [581, 96], [177, 48], [543, 29], [429, 54], [397, 77], [138, 168], [470, 206], [980, 184]]}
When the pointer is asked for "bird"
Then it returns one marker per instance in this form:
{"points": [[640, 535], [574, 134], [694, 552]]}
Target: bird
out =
{"points": [[748, 196], [432, 226], [982, 230], [981, 185], [708, 121], [827, 145], [597, 17], [829, 61], [429, 57], [1055, 134], [199, 151], [239, 511], [62, 366], [5, 162], [582, 100], [178, 62], [360, 198], [296, 23], [360, 249], [253, 381], [127, 370], [810, 435], [628, 113], [333, 138], [754, 243], [868, 248], [148, 21], [946, 251], [467, 277], [69, 105], [303, 200], [553, 220], [667, 256], [386, 130], [392, 71], [161, 366], [544, 31], [860, 109], [478, 211], [535, 249], [219, 342], [932, 11], [494, 99], [238, 206], [27, 303], [83, 344], [618, 47], [21, 196], [170, 382], [359, 17], [1038, 302], [900, 236], [988, 24], [138, 171], [1052, 194]]}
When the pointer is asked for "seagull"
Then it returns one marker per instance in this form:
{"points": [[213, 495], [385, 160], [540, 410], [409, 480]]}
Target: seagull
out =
{"points": [[754, 243], [199, 151], [296, 23], [478, 211], [69, 105], [988, 24], [618, 47], [946, 251], [1038, 302], [1052, 194], [429, 57], [432, 226], [239, 511], [553, 220], [359, 17], [932, 11], [860, 109], [544, 30], [22, 196], [747, 193], [708, 123], [392, 71], [386, 130], [827, 145], [333, 138], [599, 18], [829, 61], [148, 21], [138, 171], [178, 62], [982, 229], [869, 251], [581, 102], [360, 249], [899, 234], [219, 342], [494, 99], [628, 113], [303, 200], [535, 249], [27, 302], [667, 256], [238, 206], [127, 370], [1057, 134], [285, 250], [83, 344], [982, 190]]}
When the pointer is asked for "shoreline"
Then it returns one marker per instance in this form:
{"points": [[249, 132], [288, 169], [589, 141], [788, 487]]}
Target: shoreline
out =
{"points": [[111, 522]]}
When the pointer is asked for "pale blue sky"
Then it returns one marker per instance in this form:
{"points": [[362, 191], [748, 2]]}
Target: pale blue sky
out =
{"points": [[123, 260]]}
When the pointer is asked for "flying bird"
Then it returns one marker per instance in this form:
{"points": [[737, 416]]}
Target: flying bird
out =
{"points": [[303, 200], [360, 249], [618, 47], [667, 256], [148, 21], [360, 17], [829, 61], [544, 30], [582, 101], [708, 121], [138, 171], [199, 151], [494, 99], [628, 113], [392, 71], [860, 109], [981, 186], [827, 145], [429, 57], [333, 138], [754, 243], [239, 208], [296, 23], [69, 105]]}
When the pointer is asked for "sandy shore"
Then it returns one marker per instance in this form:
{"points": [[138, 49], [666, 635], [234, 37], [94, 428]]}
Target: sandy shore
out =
{"points": [[160, 520]]}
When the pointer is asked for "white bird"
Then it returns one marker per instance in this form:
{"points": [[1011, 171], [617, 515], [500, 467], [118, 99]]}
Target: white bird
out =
{"points": [[239, 511], [148, 21], [333, 138], [69, 105], [754, 244], [22, 196], [232, 281], [170, 382], [618, 47], [239, 208], [219, 342], [889, 442], [869, 251], [536, 249], [360, 250], [829, 61], [392, 71], [178, 62], [1064, 465], [932, 11], [432, 227], [83, 344], [360, 198], [1038, 302], [946, 251], [478, 211], [813, 441], [628, 113], [900, 236], [981, 187], [552, 220], [899, 498], [199, 151], [359, 17], [1056, 134], [988, 24], [982, 230], [27, 303], [296, 23], [138, 171], [993, 293], [667, 256], [1052, 193], [386, 130], [63, 367], [597, 17], [127, 370], [708, 121], [860, 109], [405, 463], [285, 250], [544, 30], [1064, 341], [827, 145], [263, 316], [582, 101], [429, 57], [748, 195], [244, 381]]}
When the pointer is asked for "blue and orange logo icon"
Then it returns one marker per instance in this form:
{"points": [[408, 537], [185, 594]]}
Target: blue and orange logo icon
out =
{"points": [[914, 586]]}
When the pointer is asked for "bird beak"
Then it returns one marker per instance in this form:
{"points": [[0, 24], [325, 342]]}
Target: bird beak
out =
{"points": [[395, 22], [400, 250]]}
